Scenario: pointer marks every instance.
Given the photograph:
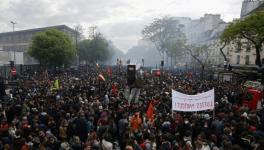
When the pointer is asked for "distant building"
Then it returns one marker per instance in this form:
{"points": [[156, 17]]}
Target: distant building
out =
{"points": [[200, 30], [250, 6], [208, 29], [14, 45], [204, 31]]}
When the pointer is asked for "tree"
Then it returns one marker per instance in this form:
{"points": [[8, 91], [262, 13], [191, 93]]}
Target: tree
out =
{"points": [[84, 50], [162, 31], [251, 28], [94, 50], [221, 50], [176, 48], [78, 36], [200, 54], [52, 48]]}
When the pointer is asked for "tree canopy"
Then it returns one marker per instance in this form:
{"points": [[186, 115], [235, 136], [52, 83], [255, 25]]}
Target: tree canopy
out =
{"points": [[164, 33], [52, 47], [176, 47], [94, 50], [251, 28]]}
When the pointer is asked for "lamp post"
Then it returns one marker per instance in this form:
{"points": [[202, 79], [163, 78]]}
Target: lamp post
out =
{"points": [[13, 23]]}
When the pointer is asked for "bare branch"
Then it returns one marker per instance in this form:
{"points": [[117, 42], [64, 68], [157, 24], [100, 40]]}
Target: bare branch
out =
{"points": [[195, 57], [222, 52]]}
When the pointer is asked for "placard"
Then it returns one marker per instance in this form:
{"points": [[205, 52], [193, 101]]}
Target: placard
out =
{"points": [[192, 103]]}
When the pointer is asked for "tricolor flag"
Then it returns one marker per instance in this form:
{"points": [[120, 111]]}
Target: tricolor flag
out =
{"points": [[101, 77]]}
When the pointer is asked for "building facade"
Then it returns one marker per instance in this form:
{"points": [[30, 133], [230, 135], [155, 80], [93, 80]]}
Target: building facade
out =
{"points": [[204, 31], [250, 6], [15, 44], [243, 53]]}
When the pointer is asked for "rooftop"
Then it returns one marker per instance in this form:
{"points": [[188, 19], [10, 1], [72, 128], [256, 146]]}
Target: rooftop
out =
{"points": [[37, 30]]}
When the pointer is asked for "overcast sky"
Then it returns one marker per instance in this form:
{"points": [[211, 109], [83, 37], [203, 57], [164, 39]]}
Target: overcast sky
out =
{"points": [[121, 21]]}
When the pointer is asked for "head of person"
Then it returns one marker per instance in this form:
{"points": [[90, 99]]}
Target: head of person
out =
{"points": [[129, 147]]}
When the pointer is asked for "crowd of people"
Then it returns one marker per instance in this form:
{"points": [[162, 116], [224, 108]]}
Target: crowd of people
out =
{"points": [[86, 112]]}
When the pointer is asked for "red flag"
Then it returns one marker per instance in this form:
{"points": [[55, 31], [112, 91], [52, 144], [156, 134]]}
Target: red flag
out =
{"points": [[109, 71], [150, 112], [114, 89], [13, 71], [157, 73]]}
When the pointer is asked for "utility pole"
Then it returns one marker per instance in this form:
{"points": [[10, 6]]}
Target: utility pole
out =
{"points": [[78, 30], [13, 23]]}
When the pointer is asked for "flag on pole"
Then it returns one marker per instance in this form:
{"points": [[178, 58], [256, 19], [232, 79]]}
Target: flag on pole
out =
{"points": [[46, 73], [150, 112], [101, 77]]}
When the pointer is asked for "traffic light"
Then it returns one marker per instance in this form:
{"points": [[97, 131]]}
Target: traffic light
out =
{"points": [[12, 65], [230, 67], [131, 74], [162, 63]]}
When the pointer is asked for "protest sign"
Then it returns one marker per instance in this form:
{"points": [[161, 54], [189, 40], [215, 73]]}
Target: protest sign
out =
{"points": [[190, 103]]}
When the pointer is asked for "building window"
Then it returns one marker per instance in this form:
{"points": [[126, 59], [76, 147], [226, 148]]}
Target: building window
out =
{"points": [[247, 60], [238, 59], [238, 46], [248, 47]]}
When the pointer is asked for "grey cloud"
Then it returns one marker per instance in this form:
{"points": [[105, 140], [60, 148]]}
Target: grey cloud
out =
{"points": [[41, 12], [107, 14], [123, 28], [124, 43]]}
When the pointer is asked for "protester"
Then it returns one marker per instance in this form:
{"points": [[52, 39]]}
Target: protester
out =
{"points": [[76, 110]]}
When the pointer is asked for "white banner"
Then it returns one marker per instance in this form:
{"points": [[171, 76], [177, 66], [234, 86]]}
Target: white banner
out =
{"points": [[190, 103]]}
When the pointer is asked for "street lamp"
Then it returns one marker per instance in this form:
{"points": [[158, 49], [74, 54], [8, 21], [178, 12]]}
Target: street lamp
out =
{"points": [[13, 23]]}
